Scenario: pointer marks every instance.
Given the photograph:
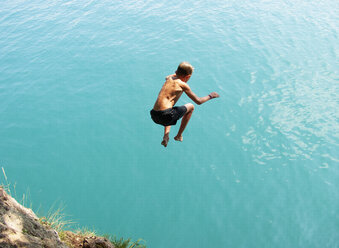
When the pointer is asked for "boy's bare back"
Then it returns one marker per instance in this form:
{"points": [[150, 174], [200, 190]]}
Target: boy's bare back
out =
{"points": [[169, 94]]}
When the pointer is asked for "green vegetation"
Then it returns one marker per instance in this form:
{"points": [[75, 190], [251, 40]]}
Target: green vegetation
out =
{"points": [[125, 243], [56, 220]]}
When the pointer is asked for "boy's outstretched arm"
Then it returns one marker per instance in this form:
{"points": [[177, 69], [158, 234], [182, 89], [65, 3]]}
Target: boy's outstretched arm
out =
{"points": [[195, 98]]}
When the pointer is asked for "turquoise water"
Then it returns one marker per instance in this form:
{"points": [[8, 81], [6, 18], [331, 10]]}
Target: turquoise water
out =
{"points": [[258, 166]]}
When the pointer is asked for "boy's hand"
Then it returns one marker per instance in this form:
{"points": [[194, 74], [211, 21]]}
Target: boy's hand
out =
{"points": [[214, 95]]}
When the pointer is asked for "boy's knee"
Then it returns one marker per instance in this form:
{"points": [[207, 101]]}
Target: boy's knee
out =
{"points": [[190, 107]]}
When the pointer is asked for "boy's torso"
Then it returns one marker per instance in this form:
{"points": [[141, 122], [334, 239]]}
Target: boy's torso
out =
{"points": [[169, 94]]}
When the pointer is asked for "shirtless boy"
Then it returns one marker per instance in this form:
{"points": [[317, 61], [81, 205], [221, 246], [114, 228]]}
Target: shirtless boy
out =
{"points": [[163, 112]]}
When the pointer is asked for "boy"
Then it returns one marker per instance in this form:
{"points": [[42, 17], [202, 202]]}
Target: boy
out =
{"points": [[163, 112]]}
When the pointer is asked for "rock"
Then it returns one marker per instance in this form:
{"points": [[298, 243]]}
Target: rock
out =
{"points": [[20, 227], [97, 242]]}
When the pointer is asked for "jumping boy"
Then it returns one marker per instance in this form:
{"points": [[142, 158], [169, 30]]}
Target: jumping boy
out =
{"points": [[163, 112]]}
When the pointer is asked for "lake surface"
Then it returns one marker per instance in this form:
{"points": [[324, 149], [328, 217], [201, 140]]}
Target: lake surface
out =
{"points": [[258, 167]]}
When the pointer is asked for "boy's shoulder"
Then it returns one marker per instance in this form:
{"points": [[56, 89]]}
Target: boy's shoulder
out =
{"points": [[175, 79], [182, 84], [178, 82]]}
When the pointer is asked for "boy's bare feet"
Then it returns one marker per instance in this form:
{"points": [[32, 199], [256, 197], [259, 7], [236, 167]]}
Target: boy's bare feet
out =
{"points": [[165, 140], [179, 138]]}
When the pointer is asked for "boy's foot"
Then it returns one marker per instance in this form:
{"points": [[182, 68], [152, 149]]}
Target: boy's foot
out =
{"points": [[164, 142], [179, 138]]}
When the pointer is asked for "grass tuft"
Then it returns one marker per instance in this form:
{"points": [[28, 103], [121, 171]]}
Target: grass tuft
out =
{"points": [[85, 232], [11, 190], [6, 185], [56, 220], [125, 243]]}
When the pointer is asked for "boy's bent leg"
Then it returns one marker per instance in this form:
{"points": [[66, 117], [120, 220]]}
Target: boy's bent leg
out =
{"points": [[165, 139], [184, 121]]}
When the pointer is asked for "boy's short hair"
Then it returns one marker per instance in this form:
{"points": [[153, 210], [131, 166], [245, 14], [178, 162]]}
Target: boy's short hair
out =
{"points": [[184, 69]]}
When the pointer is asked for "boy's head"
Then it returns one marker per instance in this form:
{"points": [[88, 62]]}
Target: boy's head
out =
{"points": [[184, 71]]}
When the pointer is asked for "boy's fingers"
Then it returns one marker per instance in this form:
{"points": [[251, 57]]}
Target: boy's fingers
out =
{"points": [[214, 94]]}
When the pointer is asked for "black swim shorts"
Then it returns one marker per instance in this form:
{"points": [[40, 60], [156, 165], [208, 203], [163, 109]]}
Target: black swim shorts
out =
{"points": [[168, 117]]}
